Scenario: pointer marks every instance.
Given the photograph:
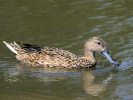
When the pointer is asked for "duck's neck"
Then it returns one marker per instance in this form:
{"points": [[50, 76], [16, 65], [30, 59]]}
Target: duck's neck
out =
{"points": [[89, 55]]}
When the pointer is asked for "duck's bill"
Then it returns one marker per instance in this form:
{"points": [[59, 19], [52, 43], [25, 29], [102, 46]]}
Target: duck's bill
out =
{"points": [[106, 54]]}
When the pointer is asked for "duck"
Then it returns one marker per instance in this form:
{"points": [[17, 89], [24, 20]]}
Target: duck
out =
{"points": [[35, 55]]}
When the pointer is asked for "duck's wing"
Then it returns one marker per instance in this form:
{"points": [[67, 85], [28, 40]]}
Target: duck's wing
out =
{"points": [[46, 50], [30, 47]]}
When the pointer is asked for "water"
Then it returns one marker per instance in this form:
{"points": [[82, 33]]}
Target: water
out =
{"points": [[67, 25]]}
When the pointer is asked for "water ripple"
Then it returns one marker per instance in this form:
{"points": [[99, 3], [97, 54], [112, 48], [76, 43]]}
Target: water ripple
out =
{"points": [[126, 64]]}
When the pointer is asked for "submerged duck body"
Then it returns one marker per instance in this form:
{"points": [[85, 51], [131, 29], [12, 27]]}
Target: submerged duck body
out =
{"points": [[53, 57]]}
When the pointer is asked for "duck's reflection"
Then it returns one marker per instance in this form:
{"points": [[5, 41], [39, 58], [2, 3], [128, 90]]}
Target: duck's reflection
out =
{"points": [[91, 87], [48, 74]]}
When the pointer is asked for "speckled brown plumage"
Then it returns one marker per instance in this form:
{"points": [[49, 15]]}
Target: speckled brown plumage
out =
{"points": [[53, 57]]}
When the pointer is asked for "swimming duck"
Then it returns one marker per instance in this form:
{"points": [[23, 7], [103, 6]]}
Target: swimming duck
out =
{"points": [[35, 55]]}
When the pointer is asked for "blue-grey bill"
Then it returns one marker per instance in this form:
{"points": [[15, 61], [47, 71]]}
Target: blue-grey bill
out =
{"points": [[106, 54]]}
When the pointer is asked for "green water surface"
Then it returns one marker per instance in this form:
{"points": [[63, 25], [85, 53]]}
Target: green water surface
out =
{"points": [[67, 24]]}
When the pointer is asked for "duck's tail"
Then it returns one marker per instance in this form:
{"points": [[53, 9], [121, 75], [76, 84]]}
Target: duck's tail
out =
{"points": [[14, 47]]}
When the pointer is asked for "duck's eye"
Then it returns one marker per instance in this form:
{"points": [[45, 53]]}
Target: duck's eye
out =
{"points": [[98, 43]]}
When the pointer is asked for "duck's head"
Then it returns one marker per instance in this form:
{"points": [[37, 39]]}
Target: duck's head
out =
{"points": [[97, 45]]}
